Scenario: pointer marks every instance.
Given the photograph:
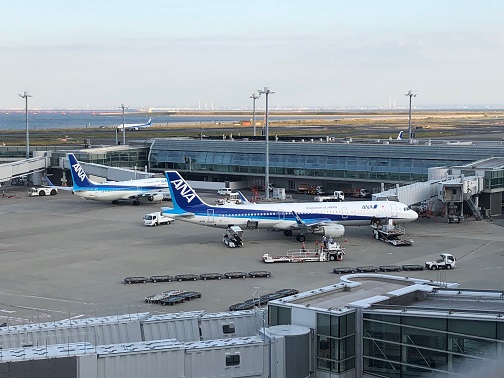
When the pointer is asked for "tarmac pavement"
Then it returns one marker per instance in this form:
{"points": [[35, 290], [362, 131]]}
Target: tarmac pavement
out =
{"points": [[62, 256]]}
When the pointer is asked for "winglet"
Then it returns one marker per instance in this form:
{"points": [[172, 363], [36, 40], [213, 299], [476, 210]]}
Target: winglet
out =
{"points": [[242, 197], [299, 221], [79, 177], [49, 183]]}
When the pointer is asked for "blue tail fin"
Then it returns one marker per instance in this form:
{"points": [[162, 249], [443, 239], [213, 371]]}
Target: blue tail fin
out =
{"points": [[399, 137], [149, 122], [79, 177], [183, 196]]}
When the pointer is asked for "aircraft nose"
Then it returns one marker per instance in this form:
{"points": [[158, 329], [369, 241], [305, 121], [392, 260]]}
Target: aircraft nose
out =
{"points": [[414, 215]]}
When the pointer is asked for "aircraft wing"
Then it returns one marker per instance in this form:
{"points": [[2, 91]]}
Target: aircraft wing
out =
{"points": [[51, 185], [309, 223], [149, 193]]}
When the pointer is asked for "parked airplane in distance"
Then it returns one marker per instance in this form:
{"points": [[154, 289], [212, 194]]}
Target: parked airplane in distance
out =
{"points": [[152, 189], [135, 126], [316, 217]]}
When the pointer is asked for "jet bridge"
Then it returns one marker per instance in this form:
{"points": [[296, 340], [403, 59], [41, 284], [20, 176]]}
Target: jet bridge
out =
{"points": [[451, 191], [109, 173], [24, 167]]}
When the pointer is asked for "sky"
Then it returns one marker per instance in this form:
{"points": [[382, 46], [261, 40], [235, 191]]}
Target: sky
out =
{"points": [[215, 54]]}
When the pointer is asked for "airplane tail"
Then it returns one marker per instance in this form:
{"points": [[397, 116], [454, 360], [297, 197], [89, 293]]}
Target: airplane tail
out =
{"points": [[79, 177], [183, 196], [149, 122], [399, 137]]}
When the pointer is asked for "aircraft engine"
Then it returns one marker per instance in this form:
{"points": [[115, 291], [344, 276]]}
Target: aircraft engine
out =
{"points": [[156, 197], [334, 230]]}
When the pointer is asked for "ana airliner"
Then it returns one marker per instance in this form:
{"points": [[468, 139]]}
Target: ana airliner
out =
{"points": [[321, 218], [152, 189], [135, 126]]}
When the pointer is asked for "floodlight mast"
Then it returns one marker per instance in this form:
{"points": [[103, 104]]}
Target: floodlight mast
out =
{"points": [[25, 95], [254, 97], [410, 131], [124, 126], [267, 92]]}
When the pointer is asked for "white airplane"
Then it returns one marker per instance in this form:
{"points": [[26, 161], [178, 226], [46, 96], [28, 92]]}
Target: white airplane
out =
{"points": [[153, 189], [321, 218], [135, 126]]}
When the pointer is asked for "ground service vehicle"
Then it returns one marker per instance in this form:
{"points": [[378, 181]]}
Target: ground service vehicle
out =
{"points": [[333, 252], [233, 237], [336, 197], [224, 191], [311, 189], [357, 193], [156, 218], [385, 230], [447, 261], [34, 192]]}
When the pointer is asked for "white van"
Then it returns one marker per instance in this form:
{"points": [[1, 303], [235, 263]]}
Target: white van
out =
{"points": [[224, 191]]}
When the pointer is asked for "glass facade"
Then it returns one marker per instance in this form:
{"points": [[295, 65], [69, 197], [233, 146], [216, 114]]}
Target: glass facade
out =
{"points": [[127, 158], [332, 161], [409, 346], [335, 340], [278, 315], [494, 179]]}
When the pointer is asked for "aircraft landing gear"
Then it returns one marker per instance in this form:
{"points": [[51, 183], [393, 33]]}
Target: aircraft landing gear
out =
{"points": [[300, 238], [115, 202], [136, 202], [288, 232]]}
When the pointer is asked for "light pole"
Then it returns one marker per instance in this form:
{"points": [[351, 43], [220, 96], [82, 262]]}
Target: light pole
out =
{"points": [[267, 92], [124, 127], [25, 95], [410, 132], [254, 97]]}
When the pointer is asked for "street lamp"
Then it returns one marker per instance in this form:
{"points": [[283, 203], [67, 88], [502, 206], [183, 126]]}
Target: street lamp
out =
{"points": [[254, 97], [410, 132], [25, 95], [124, 127], [267, 92]]}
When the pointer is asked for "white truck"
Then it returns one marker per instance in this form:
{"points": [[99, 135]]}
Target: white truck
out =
{"points": [[35, 192], [156, 218], [333, 252], [447, 261], [337, 196]]}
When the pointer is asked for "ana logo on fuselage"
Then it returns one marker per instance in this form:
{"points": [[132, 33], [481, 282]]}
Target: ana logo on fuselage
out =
{"points": [[184, 189], [369, 206], [79, 171]]}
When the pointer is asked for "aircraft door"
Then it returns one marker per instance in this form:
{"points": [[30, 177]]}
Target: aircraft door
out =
{"points": [[393, 210], [210, 216], [281, 215], [344, 213]]}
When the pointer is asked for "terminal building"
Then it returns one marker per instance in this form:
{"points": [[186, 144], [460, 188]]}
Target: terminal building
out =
{"points": [[367, 325], [240, 163]]}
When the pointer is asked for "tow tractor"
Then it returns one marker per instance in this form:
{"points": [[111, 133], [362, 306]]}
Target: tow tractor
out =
{"points": [[447, 261], [333, 252], [233, 237], [385, 230]]}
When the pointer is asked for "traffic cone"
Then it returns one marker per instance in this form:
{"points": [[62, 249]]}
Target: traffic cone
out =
{"points": [[346, 240]]}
